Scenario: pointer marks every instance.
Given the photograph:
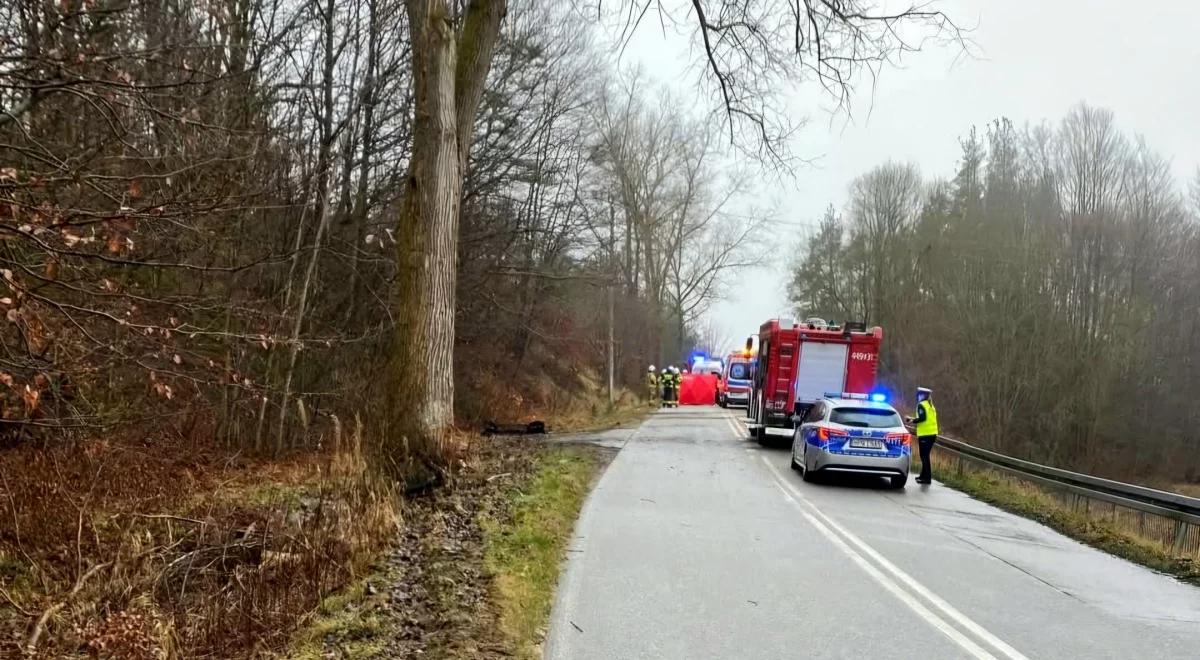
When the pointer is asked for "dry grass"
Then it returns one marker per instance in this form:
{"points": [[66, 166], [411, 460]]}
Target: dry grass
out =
{"points": [[1191, 490], [158, 549], [150, 550]]}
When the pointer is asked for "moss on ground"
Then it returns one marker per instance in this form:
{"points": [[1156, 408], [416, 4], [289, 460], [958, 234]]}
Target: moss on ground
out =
{"points": [[350, 616]]}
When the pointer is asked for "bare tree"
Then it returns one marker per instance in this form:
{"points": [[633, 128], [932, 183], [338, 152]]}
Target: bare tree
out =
{"points": [[754, 50], [451, 56]]}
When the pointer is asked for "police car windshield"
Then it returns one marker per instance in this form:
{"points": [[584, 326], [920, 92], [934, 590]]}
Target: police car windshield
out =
{"points": [[738, 371], [870, 418]]}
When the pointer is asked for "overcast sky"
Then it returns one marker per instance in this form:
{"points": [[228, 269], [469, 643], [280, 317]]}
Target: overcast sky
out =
{"points": [[1036, 58]]}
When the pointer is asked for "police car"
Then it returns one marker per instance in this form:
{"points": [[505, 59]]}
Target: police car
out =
{"points": [[852, 433]]}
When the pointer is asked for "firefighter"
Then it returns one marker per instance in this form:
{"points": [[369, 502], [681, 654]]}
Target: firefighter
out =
{"points": [[668, 385], [652, 384], [926, 422], [676, 380]]}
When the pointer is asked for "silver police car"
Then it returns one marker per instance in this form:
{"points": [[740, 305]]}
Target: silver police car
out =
{"points": [[852, 433]]}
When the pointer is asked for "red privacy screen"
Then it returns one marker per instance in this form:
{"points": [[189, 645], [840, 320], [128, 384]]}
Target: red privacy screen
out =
{"points": [[698, 390]]}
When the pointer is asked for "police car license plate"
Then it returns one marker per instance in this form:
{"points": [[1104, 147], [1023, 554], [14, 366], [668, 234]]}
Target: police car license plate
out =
{"points": [[866, 444]]}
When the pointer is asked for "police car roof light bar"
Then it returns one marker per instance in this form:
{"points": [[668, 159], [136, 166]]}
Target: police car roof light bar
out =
{"points": [[848, 395]]}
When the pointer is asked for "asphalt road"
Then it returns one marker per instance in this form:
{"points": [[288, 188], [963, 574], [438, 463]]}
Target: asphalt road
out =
{"points": [[699, 543]]}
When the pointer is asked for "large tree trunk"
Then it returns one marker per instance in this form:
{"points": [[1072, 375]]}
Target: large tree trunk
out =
{"points": [[449, 72]]}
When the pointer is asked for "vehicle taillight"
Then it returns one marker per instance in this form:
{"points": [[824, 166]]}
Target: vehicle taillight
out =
{"points": [[901, 438], [825, 433]]}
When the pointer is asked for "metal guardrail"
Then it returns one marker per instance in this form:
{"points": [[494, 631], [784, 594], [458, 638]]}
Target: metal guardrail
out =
{"points": [[1177, 527]]}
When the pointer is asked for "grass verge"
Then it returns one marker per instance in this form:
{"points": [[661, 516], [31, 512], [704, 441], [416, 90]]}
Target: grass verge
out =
{"points": [[523, 553], [1031, 501]]}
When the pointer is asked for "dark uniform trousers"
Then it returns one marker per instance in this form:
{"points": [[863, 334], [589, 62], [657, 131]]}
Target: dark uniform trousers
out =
{"points": [[925, 445]]}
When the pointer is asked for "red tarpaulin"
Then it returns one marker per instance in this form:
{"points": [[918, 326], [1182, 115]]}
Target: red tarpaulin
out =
{"points": [[698, 390]]}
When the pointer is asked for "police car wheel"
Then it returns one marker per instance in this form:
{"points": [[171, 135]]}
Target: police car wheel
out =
{"points": [[898, 481]]}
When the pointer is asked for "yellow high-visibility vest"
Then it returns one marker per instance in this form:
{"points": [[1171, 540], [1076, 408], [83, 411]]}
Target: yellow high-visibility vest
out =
{"points": [[930, 425]]}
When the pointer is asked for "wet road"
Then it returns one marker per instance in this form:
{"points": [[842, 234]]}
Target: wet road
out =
{"points": [[698, 543]]}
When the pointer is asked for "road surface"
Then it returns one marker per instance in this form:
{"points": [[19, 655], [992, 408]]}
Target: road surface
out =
{"points": [[698, 543]]}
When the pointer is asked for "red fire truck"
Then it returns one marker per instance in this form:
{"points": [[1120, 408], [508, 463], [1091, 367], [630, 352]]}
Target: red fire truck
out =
{"points": [[799, 362]]}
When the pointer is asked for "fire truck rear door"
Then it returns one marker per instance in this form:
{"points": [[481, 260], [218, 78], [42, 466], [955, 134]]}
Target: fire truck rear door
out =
{"points": [[822, 369]]}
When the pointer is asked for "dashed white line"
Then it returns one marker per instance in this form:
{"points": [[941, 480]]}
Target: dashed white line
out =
{"points": [[843, 539]]}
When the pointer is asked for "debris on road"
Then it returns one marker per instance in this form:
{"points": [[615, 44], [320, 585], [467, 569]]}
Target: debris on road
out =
{"points": [[536, 427]]}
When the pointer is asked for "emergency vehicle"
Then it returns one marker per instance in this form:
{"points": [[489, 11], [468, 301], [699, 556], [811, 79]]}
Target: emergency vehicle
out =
{"points": [[734, 387], [799, 362]]}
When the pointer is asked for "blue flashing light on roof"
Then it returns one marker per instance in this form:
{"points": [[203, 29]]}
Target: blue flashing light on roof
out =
{"points": [[879, 397], [850, 395]]}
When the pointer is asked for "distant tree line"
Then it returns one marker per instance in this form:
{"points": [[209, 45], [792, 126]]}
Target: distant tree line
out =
{"points": [[1049, 293]]}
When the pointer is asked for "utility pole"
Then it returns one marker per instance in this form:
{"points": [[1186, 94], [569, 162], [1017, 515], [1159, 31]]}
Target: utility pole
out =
{"points": [[611, 344], [611, 300]]}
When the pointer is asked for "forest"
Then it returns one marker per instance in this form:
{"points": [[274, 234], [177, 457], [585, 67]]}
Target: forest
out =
{"points": [[200, 207], [1049, 293]]}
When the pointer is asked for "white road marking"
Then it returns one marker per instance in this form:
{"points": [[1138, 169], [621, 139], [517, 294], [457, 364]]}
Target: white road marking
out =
{"points": [[734, 427], [740, 430], [891, 586], [841, 536]]}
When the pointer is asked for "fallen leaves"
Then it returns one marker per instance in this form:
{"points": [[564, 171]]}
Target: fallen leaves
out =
{"points": [[31, 398]]}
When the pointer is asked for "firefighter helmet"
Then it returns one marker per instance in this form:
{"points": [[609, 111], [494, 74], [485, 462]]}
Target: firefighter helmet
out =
{"points": [[651, 369]]}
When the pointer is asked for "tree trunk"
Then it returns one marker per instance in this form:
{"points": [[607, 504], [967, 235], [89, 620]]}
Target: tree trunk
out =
{"points": [[449, 71], [324, 163]]}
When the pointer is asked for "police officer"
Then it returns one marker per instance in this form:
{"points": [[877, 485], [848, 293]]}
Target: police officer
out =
{"points": [[652, 384], [926, 422]]}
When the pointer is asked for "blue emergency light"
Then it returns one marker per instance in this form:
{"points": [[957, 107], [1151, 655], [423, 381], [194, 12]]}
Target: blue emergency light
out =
{"points": [[877, 397]]}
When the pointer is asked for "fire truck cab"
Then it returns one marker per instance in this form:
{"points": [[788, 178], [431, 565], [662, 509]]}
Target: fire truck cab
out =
{"points": [[798, 362]]}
